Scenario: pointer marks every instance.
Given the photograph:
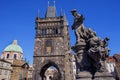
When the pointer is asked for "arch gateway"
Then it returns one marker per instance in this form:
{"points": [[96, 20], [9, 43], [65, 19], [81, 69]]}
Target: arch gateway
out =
{"points": [[52, 46]]}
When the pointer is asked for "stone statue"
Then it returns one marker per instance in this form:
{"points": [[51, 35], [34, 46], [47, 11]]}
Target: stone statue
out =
{"points": [[91, 51], [78, 26]]}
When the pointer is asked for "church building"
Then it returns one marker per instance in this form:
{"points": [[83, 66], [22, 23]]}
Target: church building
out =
{"points": [[13, 53]]}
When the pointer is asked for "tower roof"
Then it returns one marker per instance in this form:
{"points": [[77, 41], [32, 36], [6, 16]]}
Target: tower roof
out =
{"points": [[14, 47], [51, 11]]}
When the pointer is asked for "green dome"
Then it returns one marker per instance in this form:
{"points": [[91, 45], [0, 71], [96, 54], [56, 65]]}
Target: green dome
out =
{"points": [[14, 47]]}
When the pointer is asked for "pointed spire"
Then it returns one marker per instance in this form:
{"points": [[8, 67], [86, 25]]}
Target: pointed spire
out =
{"points": [[65, 19], [51, 11], [54, 2], [38, 13], [61, 12], [48, 3]]}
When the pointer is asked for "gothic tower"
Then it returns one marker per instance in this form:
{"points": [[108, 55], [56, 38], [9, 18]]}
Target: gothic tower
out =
{"points": [[52, 46]]}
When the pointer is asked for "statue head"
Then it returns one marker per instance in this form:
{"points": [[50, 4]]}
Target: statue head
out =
{"points": [[107, 38], [73, 11]]}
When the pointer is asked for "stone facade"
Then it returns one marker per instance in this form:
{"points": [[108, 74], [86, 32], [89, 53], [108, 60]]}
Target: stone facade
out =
{"points": [[5, 70], [110, 65], [30, 72], [52, 47], [20, 70], [117, 59]]}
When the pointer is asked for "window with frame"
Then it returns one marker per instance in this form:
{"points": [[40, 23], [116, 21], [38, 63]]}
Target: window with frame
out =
{"points": [[15, 56], [48, 46], [7, 56], [43, 31], [54, 31]]}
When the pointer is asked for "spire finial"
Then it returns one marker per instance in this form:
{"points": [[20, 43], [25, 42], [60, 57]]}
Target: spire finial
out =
{"points": [[48, 3], [61, 12], [38, 12], [15, 42], [64, 13], [54, 2]]}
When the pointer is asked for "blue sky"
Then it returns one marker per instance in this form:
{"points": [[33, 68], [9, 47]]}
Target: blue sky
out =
{"points": [[17, 21]]}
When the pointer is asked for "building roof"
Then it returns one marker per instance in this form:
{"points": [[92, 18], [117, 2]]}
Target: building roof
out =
{"points": [[110, 59], [117, 57], [13, 47]]}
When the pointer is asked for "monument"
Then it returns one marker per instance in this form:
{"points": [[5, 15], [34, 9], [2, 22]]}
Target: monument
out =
{"points": [[91, 52], [52, 46]]}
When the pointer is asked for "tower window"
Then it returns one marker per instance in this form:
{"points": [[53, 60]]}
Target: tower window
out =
{"points": [[48, 46], [43, 31], [15, 56], [8, 56], [55, 31]]}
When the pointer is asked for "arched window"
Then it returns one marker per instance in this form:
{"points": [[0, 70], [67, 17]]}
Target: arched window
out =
{"points": [[7, 56], [15, 56]]}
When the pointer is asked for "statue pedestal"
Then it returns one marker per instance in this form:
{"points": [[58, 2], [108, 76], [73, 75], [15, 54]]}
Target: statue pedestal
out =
{"points": [[84, 76], [103, 76]]}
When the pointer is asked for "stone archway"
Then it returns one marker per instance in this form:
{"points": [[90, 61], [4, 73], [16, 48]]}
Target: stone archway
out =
{"points": [[45, 67]]}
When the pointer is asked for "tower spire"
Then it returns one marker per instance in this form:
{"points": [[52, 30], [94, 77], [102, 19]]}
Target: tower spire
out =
{"points": [[38, 12], [61, 12], [65, 19], [48, 3], [51, 11], [54, 2]]}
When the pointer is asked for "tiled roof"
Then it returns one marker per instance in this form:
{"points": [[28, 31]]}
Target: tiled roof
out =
{"points": [[110, 59]]}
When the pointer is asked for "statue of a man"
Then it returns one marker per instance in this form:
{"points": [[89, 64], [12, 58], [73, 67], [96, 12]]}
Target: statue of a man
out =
{"points": [[78, 26]]}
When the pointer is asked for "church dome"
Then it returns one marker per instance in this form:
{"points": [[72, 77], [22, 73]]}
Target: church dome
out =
{"points": [[14, 47]]}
